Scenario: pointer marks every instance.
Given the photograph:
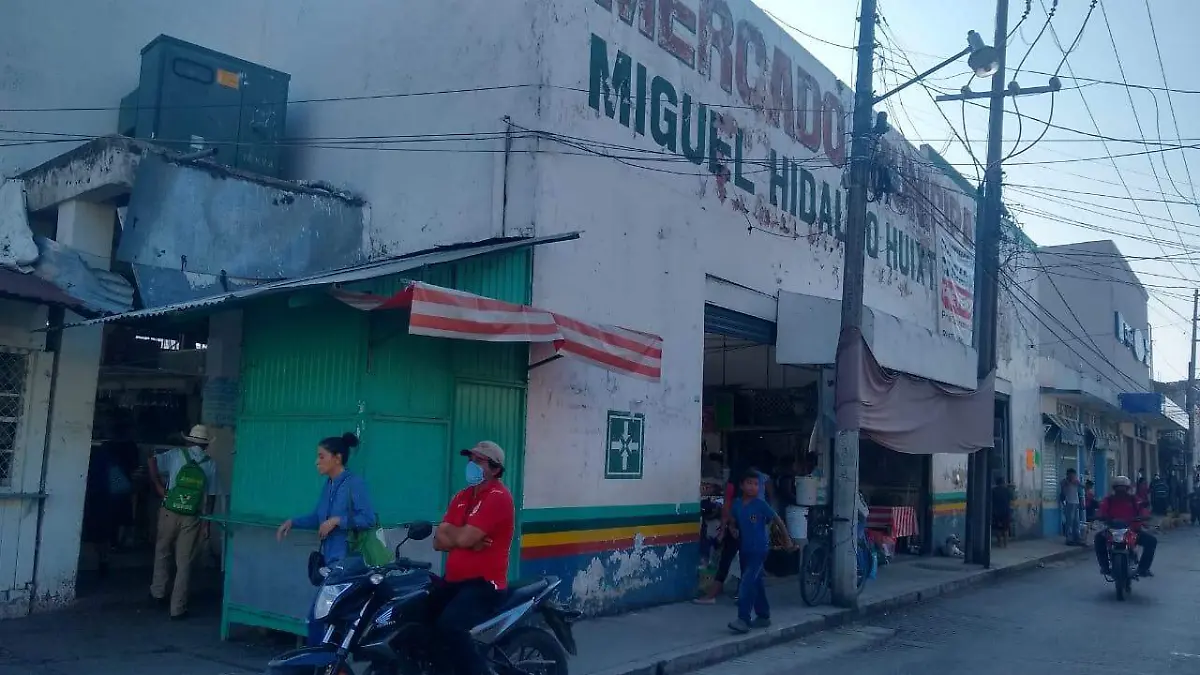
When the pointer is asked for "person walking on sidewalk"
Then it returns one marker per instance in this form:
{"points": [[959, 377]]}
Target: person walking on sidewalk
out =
{"points": [[1160, 497], [343, 508], [1071, 496], [753, 519], [186, 480], [1002, 496], [729, 535]]}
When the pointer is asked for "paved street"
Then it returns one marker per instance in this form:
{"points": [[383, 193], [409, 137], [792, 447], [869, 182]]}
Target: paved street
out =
{"points": [[1061, 620], [1049, 621]]}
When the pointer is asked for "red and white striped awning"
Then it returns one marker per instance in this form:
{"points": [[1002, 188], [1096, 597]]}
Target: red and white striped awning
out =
{"points": [[443, 312]]}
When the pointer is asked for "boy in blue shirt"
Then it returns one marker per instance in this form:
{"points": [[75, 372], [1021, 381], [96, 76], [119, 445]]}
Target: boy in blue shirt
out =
{"points": [[754, 518]]}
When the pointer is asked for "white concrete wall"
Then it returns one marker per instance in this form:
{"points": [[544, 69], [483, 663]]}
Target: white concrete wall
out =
{"points": [[655, 224], [346, 49], [1017, 370]]}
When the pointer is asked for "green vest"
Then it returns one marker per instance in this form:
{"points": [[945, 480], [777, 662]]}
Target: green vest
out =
{"points": [[187, 494]]}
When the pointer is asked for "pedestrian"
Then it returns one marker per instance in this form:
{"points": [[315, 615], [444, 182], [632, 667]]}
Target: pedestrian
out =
{"points": [[1071, 496], [344, 507], [1195, 506], [1160, 495], [753, 519], [1143, 491], [1001, 512], [1090, 503], [186, 481], [729, 534]]}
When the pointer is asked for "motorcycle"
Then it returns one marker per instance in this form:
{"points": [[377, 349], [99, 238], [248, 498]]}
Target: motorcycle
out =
{"points": [[1121, 542], [380, 616]]}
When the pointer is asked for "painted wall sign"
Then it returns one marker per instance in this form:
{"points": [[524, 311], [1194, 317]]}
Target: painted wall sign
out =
{"points": [[754, 109], [625, 445]]}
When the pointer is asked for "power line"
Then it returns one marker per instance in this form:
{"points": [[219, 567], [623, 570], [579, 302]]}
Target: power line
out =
{"points": [[1138, 120]]}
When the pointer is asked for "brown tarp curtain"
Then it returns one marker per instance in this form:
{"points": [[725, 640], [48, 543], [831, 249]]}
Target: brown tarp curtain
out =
{"points": [[910, 414]]}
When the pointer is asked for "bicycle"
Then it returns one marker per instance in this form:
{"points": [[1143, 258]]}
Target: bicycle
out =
{"points": [[816, 565]]}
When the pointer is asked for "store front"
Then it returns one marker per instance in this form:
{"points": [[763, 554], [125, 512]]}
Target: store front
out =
{"points": [[1064, 442], [756, 413], [419, 356]]}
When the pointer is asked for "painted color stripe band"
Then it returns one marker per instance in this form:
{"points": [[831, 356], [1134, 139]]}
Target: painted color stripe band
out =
{"points": [[610, 534], [591, 547], [604, 523]]}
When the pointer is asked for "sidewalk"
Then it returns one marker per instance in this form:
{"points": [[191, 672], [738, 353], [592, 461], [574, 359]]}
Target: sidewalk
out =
{"points": [[116, 633], [679, 638]]}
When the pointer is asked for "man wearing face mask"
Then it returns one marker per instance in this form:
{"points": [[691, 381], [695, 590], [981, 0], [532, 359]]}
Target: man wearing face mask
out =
{"points": [[476, 533]]}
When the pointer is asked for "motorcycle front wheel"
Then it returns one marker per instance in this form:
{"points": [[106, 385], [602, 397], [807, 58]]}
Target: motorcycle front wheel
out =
{"points": [[533, 651], [1120, 575]]}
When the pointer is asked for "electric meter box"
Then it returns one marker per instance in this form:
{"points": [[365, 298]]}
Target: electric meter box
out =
{"points": [[192, 99]]}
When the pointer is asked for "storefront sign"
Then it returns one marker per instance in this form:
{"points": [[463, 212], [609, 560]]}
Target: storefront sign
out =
{"points": [[1135, 340], [625, 445], [956, 268]]}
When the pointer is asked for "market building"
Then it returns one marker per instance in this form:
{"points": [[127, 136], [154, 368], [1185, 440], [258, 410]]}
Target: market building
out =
{"points": [[674, 168]]}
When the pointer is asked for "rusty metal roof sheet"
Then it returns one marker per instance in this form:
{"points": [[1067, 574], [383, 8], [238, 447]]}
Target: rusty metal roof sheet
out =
{"points": [[34, 289], [371, 270]]}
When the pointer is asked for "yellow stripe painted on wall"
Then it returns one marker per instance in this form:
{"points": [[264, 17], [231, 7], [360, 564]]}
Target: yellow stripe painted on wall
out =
{"points": [[611, 534], [951, 509]]}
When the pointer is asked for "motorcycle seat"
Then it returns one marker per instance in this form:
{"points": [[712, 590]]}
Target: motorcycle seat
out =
{"points": [[524, 591]]}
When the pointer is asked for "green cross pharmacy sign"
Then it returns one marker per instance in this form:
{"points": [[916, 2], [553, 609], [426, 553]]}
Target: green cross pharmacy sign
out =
{"points": [[625, 445]]}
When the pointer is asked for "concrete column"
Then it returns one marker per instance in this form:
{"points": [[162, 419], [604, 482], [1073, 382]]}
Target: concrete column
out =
{"points": [[222, 370], [88, 228]]}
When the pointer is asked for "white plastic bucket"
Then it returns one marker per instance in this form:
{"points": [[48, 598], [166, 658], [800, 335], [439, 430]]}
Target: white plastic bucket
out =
{"points": [[807, 490], [796, 518]]}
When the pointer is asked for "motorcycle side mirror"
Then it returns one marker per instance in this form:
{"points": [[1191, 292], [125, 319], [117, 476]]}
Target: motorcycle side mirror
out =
{"points": [[420, 530]]}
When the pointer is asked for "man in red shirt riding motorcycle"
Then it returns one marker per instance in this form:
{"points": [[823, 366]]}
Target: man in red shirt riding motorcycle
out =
{"points": [[1122, 505]]}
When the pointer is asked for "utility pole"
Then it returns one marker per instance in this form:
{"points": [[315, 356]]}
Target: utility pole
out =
{"points": [[987, 283], [1189, 401], [849, 359]]}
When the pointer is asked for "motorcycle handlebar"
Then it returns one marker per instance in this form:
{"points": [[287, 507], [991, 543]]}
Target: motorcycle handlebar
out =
{"points": [[408, 563]]}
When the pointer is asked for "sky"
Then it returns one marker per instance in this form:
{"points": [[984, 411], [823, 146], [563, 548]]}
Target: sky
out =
{"points": [[1066, 187]]}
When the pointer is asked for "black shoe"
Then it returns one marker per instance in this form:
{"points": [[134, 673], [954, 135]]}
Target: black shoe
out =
{"points": [[1147, 573], [158, 602], [180, 616]]}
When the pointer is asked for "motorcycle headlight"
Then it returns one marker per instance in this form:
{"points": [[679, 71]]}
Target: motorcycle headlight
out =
{"points": [[326, 598]]}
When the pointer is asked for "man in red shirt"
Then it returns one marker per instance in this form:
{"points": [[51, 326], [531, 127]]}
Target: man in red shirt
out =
{"points": [[476, 533], [1122, 505]]}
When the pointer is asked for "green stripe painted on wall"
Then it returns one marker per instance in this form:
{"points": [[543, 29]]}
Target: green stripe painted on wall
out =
{"points": [[943, 497], [571, 513]]}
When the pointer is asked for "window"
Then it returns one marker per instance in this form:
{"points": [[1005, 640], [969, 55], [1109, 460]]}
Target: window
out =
{"points": [[1068, 412], [13, 368]]}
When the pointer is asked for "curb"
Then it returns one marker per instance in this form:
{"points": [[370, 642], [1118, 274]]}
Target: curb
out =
{"points": [[723, 649]]}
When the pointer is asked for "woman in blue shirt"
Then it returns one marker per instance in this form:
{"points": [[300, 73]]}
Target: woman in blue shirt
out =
{"points": [[343, 507]]}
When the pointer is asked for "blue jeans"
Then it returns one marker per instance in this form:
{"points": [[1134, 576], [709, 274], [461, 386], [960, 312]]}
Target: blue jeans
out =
{"points": [[752, 593], [316, 629], [1070, 514]]}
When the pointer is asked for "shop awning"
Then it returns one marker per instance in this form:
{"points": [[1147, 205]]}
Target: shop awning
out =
{"points": [[1069, 432], [444, 312], [1102, 439]]}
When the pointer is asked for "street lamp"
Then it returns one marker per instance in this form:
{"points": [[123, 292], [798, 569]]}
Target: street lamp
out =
{"points": [[983, 59]]}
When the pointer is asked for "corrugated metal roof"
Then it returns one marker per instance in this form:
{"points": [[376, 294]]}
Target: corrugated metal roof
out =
{"points": [[28, 287], [371, 270]]}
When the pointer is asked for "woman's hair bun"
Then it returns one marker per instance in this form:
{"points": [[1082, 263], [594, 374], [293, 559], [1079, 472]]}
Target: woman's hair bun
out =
{"points": [[350, 440]]}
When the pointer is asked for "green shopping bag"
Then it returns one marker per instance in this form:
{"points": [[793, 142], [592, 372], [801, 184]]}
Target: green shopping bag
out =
{"points": [[367, 543]]}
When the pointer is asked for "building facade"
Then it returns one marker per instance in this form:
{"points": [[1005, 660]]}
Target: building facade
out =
{"points": [[699, 151], [1102, 415]]}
